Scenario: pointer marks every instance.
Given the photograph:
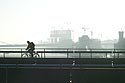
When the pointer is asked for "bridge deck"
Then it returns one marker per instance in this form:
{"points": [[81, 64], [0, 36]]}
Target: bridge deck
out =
{"points": [[62, 70], [75, 63]]}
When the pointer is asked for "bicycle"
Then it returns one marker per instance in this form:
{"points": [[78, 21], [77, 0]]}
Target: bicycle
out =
{"points": [[28, 55]]}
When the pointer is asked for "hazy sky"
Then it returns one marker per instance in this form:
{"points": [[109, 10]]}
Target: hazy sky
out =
{"points": [[22, 20]]}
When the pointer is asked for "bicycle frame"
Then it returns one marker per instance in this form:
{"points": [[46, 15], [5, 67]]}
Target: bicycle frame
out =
{"points": [[28, 55]]}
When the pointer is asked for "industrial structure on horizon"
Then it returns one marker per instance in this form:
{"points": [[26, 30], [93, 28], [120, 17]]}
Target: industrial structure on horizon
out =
{"points": [[121, 41], [63, 38]]}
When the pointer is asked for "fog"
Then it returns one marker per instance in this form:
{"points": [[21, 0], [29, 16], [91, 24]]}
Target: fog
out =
{"points": [[22, 20]]}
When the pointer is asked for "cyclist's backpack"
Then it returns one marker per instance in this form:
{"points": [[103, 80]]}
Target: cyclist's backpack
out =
{"points": [[33, 45]]}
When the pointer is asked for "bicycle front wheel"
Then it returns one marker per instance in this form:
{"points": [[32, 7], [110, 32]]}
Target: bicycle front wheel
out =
{"points": [[36, 55], [25, 55]]}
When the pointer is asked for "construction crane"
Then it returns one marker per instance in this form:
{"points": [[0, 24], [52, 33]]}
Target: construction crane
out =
{"points": [[84, 28]]}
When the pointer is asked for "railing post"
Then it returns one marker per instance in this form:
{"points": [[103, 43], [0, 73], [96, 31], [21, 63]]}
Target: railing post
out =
{"points": [[21, 53], [44, 53], [114, 53], [79, 55], [4, 55], [106, 55], [41, 55], [118, 55], [67, 54], [91, 53]]}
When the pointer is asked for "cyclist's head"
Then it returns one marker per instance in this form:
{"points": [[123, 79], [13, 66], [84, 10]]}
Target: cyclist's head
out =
{"points": [[28, 41]]}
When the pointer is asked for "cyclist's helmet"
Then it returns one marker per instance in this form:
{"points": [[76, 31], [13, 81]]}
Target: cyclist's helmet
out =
{"points": [[28, 41]]}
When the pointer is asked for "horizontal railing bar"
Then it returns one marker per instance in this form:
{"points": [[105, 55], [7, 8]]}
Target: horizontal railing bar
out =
{"points": [[60, 48], [65, 51], [62, 65]]}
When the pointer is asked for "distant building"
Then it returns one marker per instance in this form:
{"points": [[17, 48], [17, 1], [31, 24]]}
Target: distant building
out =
{"points": [[95, 43], [60, 35], [61, 38], [83, 42], [108, 44], [86, 42], [121, 42]]}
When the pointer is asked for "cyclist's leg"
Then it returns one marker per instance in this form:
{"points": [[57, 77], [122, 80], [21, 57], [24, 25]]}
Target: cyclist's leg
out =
{"points": [[31, 53]]}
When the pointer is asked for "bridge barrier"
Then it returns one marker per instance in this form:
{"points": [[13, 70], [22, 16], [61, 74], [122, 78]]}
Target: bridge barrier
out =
{"points": [[62, 70], [71, 53]]}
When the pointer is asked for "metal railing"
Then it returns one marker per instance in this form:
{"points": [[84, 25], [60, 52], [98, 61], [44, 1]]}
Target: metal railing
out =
{"points": [[69, 53]]}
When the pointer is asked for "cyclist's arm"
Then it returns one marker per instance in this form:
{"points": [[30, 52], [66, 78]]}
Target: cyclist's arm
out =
{"points": [[27, 47]]}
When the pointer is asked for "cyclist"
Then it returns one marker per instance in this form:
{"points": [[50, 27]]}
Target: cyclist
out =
{"points": [[30, 48]]}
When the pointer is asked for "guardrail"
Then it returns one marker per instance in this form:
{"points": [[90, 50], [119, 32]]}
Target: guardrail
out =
{"points": [[73, 53]]}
